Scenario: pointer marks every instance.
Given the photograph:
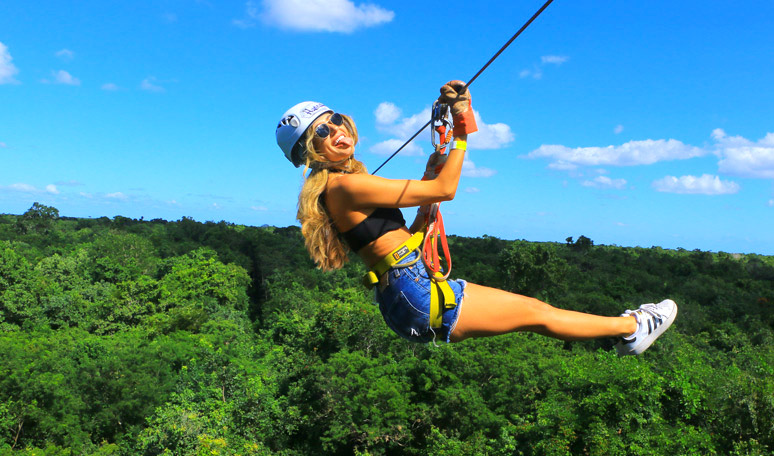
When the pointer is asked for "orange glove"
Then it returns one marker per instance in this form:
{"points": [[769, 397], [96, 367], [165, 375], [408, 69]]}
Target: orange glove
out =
{"points": [[452, 94]]}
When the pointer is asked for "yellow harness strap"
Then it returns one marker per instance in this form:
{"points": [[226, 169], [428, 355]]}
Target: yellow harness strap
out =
{"points": [[441, 293], [393, 258]]}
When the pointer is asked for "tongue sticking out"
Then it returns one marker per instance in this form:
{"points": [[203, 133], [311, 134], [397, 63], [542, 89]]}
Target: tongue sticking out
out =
{"points": [[344, 142]]}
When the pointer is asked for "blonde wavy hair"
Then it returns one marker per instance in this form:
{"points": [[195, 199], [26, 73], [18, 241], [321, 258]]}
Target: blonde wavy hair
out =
{"points": [[320, 235]]}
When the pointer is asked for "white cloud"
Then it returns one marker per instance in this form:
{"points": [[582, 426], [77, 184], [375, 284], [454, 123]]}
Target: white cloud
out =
{"points": [[149, 84], [469, 169], [718, 134], [618, 129], [535, 73], [391, 145], [109, 86], [19, 187], [605, 182], [490, 136], [389, 120], [705, 185], [317, 15], [27, 188], [562, 166], [63, 77], [472, 190], [400, 127], [107, 198], [259, 208], [537, 69], [770, 203], [737, 156], [252, 15], [65, 55], [387, 113], [7, 68], [554, 59], [632, 153], [116, 196], [3, 145], [744, 158]]}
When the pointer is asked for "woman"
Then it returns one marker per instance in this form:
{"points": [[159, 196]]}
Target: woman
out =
{"points": [[342, 206]]}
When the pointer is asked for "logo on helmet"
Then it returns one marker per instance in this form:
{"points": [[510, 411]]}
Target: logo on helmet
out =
{"points": [[311, 110]]}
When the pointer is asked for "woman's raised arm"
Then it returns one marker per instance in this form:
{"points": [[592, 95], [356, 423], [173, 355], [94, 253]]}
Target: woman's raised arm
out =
{"points": [[360, 191]]}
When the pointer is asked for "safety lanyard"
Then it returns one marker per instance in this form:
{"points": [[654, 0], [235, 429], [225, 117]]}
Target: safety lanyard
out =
{"points": [[436, 233]]}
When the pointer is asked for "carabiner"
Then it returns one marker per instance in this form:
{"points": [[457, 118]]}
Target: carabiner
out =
{"points": [[441, 120]]}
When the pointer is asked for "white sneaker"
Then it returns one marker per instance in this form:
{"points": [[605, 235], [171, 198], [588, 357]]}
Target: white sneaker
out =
{"points": [[652, 321]]}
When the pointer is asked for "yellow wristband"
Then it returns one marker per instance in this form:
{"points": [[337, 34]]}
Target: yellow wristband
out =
{"points": [[459, 144]]}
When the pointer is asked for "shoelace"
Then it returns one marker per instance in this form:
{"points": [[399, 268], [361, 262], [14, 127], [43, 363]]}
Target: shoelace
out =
{"points": [[653, 315]]}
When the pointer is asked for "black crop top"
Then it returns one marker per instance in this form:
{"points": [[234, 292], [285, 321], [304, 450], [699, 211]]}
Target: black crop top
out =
{"points": [[381, 220]]}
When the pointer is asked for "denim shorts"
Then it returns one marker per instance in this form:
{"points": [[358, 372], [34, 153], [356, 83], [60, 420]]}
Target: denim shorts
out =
{"points": [[405, 302]]}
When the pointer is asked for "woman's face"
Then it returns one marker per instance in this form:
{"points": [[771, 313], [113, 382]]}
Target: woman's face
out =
{"points": [[338, 145]]}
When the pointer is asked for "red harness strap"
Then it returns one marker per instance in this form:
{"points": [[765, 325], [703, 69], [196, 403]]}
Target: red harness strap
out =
{"points": [[436, 234]]}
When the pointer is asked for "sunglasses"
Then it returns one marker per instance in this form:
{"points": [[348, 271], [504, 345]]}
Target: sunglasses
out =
{"points": [[322, 131]]}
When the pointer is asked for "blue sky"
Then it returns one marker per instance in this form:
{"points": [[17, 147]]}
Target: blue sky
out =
{"points": [[632, 123]]}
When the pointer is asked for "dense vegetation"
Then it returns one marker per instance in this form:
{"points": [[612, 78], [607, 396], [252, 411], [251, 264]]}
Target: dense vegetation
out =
{"points": [[123, 336]]}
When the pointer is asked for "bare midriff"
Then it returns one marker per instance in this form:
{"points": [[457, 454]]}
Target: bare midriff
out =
{"points": [[373, 253]]}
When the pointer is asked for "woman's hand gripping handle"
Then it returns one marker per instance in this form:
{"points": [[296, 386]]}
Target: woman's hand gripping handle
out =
{"points": [[457, 96]]}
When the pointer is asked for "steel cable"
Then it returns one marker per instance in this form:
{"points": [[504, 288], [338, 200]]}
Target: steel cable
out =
{"points": [[497, 54]]}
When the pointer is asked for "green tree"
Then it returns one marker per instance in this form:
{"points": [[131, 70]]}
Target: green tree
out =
{"points": [[18, 300], [197, 287], [532, 269], [118, 256], [38, 219]]}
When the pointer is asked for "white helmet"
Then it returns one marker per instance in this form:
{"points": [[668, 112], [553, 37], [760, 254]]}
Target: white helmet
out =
{"points": [[293, 125]]}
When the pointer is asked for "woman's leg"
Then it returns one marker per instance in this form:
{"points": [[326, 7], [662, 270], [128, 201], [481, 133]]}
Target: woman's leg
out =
{"points": [[488, 312]]}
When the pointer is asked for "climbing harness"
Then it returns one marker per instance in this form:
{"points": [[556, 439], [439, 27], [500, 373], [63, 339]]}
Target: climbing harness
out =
{"points": [[441, 294], [402, 251]]}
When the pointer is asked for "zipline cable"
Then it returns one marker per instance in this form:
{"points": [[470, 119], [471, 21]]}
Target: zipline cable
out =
{"points": [[516, 35], [497, 54]]}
